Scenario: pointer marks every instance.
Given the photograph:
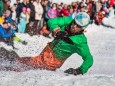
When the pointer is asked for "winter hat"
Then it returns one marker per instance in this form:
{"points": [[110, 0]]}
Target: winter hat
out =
{"points": [[28, 10], [82, 19], [24, 9]]}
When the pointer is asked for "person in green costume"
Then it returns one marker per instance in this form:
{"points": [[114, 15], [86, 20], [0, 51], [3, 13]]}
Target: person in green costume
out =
{"points": [[65, 27], [1, 7], [69, 38]]}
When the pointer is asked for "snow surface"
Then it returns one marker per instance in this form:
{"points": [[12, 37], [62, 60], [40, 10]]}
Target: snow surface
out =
{"points": [[101, 41]]}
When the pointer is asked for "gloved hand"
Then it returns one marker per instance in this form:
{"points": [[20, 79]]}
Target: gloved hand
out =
{"points": [[60, 34], [63, 36], [73, 71]]}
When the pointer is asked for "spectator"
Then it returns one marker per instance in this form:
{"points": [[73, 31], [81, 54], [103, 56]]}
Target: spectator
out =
{"points": [[18, 10], [32, 8], [52, 12], [98, 5], [99, 17], [59, 8], [73, 4], [1, 7], [46, 7], [81, 5], [30, 29], [13, 9], [28, 15], [6, 5], [71, 13], [1, 19], [64, 11], [4, 30], [93, 11], [105, 4], [38, 16], [111, 2], [44, 30], [23, 19], [6, 33], [24, 3], [90, 7], [7, 15]]}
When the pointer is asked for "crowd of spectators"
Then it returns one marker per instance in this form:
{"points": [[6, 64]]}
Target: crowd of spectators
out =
{"points": [[31, 16]]}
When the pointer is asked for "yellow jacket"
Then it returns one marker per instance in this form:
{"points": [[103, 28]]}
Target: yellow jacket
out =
{"points": [[1, 20]]}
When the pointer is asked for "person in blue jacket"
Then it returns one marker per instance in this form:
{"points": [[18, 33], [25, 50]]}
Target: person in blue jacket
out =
{"points": [[8, 18], [7, 34], [6, 31]]}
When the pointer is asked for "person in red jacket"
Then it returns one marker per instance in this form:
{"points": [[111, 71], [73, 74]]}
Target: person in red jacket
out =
{"points": [[112, 2], [99, 17], [64, 11]]}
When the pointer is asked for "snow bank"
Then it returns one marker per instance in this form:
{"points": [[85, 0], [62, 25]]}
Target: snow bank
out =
{"points": [[110, 22]]}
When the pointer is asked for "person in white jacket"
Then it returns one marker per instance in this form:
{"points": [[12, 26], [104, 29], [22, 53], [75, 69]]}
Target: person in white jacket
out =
{"points": [[38, 15], [13, 9]]}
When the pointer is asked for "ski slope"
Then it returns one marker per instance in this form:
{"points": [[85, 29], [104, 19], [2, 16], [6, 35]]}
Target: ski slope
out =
{"points": [[101, 41]]}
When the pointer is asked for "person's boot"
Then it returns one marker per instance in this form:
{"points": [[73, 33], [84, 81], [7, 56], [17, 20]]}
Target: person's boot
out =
{"points": [[73, 71], [24, 42]]}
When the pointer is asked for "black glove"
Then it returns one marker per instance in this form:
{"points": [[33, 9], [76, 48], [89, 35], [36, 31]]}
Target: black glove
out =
{"points": [[60, 35], [63, 36], [73, 71]]}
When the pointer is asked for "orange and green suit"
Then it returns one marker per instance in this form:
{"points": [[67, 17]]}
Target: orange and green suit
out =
{"points": [[54, 54]]}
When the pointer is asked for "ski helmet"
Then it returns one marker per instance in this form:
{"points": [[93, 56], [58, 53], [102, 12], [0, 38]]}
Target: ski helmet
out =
{"points": [[82, 19]]}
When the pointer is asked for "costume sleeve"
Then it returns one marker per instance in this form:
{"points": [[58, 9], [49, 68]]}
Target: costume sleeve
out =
{"points": [[60, 22]]}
